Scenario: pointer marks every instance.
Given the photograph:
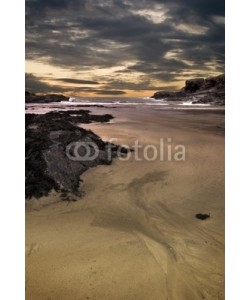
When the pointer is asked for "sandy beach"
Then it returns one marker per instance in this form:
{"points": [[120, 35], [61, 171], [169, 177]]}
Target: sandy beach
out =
{"points": [[134, 234]]}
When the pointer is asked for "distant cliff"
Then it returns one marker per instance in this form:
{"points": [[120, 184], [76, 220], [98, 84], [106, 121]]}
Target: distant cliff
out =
{"points": [[33, 98], [199, 90]]}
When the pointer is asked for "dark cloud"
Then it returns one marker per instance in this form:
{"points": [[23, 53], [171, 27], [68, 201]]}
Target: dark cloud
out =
{"points": [[142, 87], [106, 92], [83, 35], [36, 85], [76, 81]]}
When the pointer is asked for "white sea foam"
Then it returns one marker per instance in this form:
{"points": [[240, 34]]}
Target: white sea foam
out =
{"points": [[122, 102], [189, 103]]}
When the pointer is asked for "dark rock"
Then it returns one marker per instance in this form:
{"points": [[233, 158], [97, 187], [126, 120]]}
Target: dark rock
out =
{"points": [[202, 216], [168, 95], [200, 91], [217, 83], [50, 158], [211, 97], [193, 85], [33, 98]]}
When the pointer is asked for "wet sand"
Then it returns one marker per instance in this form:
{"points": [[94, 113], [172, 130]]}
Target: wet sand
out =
{"points": [[134, 234]]}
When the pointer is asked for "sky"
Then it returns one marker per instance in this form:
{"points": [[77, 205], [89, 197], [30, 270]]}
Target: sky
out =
{"points": [[121, 48]]}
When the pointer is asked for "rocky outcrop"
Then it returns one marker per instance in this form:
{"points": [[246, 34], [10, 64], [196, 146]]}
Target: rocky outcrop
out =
{"points": [[33, 98], [194, 85], [168, 95], [199, 90], [56, 152]]}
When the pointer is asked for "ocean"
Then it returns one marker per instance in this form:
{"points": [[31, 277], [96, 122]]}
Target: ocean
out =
{"points": [[143, 102]]}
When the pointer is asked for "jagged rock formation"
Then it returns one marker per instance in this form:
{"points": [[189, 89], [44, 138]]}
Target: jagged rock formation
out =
{"points": [[199, 90], [33, 98], [50, 161]]}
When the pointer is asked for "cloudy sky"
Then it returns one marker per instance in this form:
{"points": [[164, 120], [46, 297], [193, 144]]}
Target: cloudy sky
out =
{"points": [[121, 47]]}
